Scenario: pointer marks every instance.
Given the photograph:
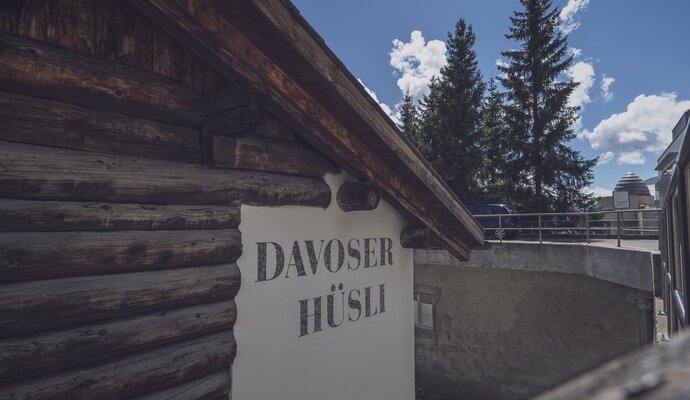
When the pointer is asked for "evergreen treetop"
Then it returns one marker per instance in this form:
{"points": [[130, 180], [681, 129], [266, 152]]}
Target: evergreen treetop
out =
{"points": [[549, 176]]}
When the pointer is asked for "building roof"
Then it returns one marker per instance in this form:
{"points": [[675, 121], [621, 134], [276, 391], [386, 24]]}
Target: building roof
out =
{"points": [[632, 184], [268, 44]]}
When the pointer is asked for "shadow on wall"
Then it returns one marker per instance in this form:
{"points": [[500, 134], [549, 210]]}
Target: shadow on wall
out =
{"points": [[504, 334]]}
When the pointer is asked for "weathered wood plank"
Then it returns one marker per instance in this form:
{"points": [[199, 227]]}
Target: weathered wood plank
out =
{"points": [[40, 305], [23, 357], [399, 171], [419, 238], [37, 20], [34, 172], [76, 29], [135, 375], [42, 216], [9, 15], [37, 255], [211, 387], [36, 121], [122, 35], [270, 155], [654, 373], [33, 68], [240, 109], [358, 196], [230, 122]]}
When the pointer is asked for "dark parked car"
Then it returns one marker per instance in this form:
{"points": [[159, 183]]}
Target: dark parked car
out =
{"points": [[490, 223]]}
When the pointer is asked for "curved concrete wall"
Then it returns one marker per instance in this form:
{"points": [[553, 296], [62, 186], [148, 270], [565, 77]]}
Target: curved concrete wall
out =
{"points": [[521, 318], [624, 266]]}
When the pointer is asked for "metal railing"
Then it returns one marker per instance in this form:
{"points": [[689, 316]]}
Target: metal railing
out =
{"points": [[584, 226]]}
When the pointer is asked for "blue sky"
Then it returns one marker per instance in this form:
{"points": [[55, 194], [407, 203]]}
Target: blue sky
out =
{"points": [[636, 49]]}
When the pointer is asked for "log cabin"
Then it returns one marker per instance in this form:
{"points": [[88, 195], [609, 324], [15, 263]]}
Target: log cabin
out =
{"points": [[198, 201]]}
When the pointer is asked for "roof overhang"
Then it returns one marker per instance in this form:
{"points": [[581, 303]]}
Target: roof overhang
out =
{"points": [[269, 44]]}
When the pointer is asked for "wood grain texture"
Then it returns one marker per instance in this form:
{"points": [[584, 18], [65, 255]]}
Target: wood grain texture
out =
{"points": [[386, 159], [34, 255], [358, 196], [48, 216], [419, 238], [654, 373], [37, 69], [76, 26], [29, 356], [269, 155], [32, 120], [50, 304], [210, 387], [240, 108], [34, 172], [132, 376]]}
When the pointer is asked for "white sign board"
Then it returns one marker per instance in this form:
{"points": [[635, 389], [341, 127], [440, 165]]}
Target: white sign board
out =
{"points": [[325, 309], [621, 200]]}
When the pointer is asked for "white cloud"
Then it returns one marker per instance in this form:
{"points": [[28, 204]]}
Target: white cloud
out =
{"points": [[570, 15], [599, 191], [417, 61], [645, 126], [632, 158], [383, 106], [501, 63], [575, 52], [605, 157], [583, 73], [606, 82]]}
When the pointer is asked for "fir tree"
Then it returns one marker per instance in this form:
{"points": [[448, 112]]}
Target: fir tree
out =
{"points": [[548, 175], [409, 123], [451, 118], [496, 145]]}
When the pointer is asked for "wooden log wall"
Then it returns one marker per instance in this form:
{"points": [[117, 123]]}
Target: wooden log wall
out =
{"points": [[123, 163]]}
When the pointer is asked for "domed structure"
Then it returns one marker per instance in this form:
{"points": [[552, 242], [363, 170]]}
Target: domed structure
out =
{"points": [[632, 184]]}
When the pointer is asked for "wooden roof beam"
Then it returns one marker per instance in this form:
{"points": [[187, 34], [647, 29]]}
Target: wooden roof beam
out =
{"points": [[207, 31]]}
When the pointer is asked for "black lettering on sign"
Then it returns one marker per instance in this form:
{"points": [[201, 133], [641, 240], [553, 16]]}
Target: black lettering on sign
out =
{"points": [[369, 253], [330, 299], [296, 260], [354, 304], [261, 273], [327, 255], [354, 254], [304, 316], [386, 250], [335, 308], [313, 256]]}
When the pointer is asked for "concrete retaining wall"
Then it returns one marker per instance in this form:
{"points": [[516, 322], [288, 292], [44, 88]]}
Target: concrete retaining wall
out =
{"points": [[510, 324]]}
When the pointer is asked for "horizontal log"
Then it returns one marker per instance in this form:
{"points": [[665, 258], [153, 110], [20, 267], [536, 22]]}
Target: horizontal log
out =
{"points": [[37, 69], [269, 155], [45, 173], [351, 125], [212, 387], [31, 120], [51, 304], [33, 216], [229, 122], [240, 109], [23, 357], [358, 196], [419, 238], [135, 375], [37, 255], [238, 95]]}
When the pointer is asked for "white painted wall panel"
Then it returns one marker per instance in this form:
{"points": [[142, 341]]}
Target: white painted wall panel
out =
{"points": [[363, 357]]}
